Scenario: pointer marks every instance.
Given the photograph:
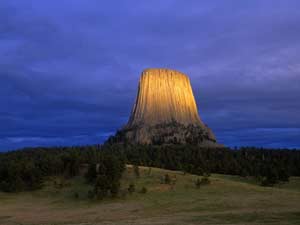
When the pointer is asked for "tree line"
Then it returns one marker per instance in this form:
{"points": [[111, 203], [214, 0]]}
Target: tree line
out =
{"points": [[27, 169], [269, 166]]}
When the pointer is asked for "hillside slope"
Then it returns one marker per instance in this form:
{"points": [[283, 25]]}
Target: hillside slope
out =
{"points": [[227, 200]]}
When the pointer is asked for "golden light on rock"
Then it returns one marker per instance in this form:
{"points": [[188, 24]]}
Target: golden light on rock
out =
{"points": [[165, 112], [164, 96]]}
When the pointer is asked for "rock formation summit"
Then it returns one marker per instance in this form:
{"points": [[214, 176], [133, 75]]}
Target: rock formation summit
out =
{"points": [[164, 112]]}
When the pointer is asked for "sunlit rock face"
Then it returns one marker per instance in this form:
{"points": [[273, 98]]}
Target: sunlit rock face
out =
{"points": [[164, 112], [164, 96]]}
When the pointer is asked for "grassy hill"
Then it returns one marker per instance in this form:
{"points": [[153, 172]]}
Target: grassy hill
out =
{"points": [[226, 200]]}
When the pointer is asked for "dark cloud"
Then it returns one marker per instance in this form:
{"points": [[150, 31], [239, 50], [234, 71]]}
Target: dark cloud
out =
{"points": [[69, 69]]}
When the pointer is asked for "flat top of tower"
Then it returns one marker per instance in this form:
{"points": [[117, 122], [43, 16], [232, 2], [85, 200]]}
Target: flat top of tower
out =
{"points": [[162, 71]]}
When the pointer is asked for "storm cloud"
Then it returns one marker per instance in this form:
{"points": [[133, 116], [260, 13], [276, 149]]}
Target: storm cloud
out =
{"points": [[69, 69]]}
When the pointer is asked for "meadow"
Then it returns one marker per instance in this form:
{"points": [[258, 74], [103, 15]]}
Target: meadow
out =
{"points": [[226, 200]]}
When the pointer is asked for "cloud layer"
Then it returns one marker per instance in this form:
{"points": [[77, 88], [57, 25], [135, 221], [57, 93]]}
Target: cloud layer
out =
{"points": [[69, 69]]}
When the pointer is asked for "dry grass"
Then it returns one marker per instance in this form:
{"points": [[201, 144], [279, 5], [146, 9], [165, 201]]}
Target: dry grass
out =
{"points": [[227, 200]]}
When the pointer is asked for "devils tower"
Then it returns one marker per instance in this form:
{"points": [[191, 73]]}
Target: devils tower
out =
{"points": [[164, 112]]}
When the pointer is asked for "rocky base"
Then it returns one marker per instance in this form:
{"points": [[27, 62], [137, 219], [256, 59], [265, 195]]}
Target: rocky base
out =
{"points": [[171, 133]]}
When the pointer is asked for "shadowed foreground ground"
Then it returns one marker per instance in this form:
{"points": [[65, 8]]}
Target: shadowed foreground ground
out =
{"points": [[227, 200]]}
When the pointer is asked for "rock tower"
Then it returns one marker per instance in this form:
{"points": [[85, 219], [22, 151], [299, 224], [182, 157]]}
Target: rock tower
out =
{"points": [[164, 112]]}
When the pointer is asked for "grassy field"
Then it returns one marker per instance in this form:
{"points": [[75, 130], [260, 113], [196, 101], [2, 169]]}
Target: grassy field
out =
{"points": [[227, 200]]}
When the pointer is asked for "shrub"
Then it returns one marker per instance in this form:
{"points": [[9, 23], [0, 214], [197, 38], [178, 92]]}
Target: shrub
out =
{"points": [[143, 190], [149, 171], [91, 173], [268, 181], [205, 180], [167, 179], [198, 183], [131, 188], [90, 194], [76, 195], [136, 171]]}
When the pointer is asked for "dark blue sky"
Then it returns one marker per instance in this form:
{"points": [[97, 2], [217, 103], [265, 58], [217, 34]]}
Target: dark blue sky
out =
{"points": [[69, 69]]}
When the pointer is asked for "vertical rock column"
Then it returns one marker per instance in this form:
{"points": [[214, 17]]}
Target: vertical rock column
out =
{"points": [[164, 96], [164, 112]]}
